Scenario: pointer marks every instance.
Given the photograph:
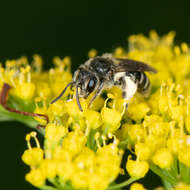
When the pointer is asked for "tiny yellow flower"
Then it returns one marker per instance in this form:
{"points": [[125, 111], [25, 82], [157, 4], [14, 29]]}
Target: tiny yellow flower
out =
{"points": [[25, 90], [176, 142], [176, 112], [97, 104], [184, 156], [136, 132], [142, 151], [137, 186], [55, 132], [182, 186], [119, 52], [57, 108], [92, 53], [73, 109], [93, 119], [33, 157], [138, 111], [36, 177], [61, 154], [137, 169], [43, 90], [163, 158], [74, 142], [48, 168], [85, 160], [155, 142], [65, 170], [163, 104], [111, 118], [97, 182], [79, 180], [156, 126]]}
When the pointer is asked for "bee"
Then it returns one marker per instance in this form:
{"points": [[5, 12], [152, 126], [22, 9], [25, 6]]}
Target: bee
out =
{"points": [[105, 71]]}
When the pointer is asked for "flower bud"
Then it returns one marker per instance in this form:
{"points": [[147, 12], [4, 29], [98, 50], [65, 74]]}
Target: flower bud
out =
{"points": [[54, 132], [137, 186], [35, 177], [138, 111], [137, 169], [184, 156], [33, 157], [142, 151], [163, 158], [111, 117], [49, 168], [57, 108], [25, 90], [93, 119]]}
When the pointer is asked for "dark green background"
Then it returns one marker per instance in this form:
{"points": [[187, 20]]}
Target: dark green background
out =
{"points": [[71, 28]]}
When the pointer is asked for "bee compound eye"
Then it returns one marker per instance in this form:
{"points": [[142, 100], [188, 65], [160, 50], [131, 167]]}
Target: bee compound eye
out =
{"points": [[91, 85]]}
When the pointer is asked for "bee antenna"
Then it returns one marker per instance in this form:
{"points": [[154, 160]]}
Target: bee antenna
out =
{"points": [[78, 101], [64, 90]]}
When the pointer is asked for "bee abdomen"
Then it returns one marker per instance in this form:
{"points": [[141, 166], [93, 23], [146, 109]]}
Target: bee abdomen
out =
{"points": [[143, 83]]}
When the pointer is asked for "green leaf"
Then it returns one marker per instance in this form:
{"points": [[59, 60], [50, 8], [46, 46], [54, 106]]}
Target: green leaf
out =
{"points": [[167, 185], [184, 172], [163, 174]]}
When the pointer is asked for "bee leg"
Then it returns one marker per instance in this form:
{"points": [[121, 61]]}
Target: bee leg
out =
{"points": [[98, 91], [129, 88]]}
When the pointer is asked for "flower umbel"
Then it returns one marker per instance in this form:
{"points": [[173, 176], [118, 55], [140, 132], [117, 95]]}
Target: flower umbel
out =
{"points": [[84, 150]]}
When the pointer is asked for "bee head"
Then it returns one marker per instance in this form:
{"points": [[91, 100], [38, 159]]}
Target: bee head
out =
{"points": [[85, 81]]}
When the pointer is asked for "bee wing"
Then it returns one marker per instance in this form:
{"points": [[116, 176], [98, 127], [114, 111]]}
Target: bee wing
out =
{"points": [[132, 65]]}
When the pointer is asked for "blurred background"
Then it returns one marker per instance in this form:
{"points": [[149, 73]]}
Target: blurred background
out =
{"points": [[71, 28]]}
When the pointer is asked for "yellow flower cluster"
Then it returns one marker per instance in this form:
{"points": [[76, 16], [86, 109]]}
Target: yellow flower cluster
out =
{"points": [[69, 159], [29, 81], [84, 149]]}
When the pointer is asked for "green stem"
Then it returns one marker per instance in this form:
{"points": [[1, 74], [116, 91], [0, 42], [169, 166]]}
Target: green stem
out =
{"points": [[163, 174], [184, 172], [27, 120], [62, 186], [167, 185], [90, 139], [174, 168], [123, 184], [123, 144], [46, 187], [7, 116]]}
